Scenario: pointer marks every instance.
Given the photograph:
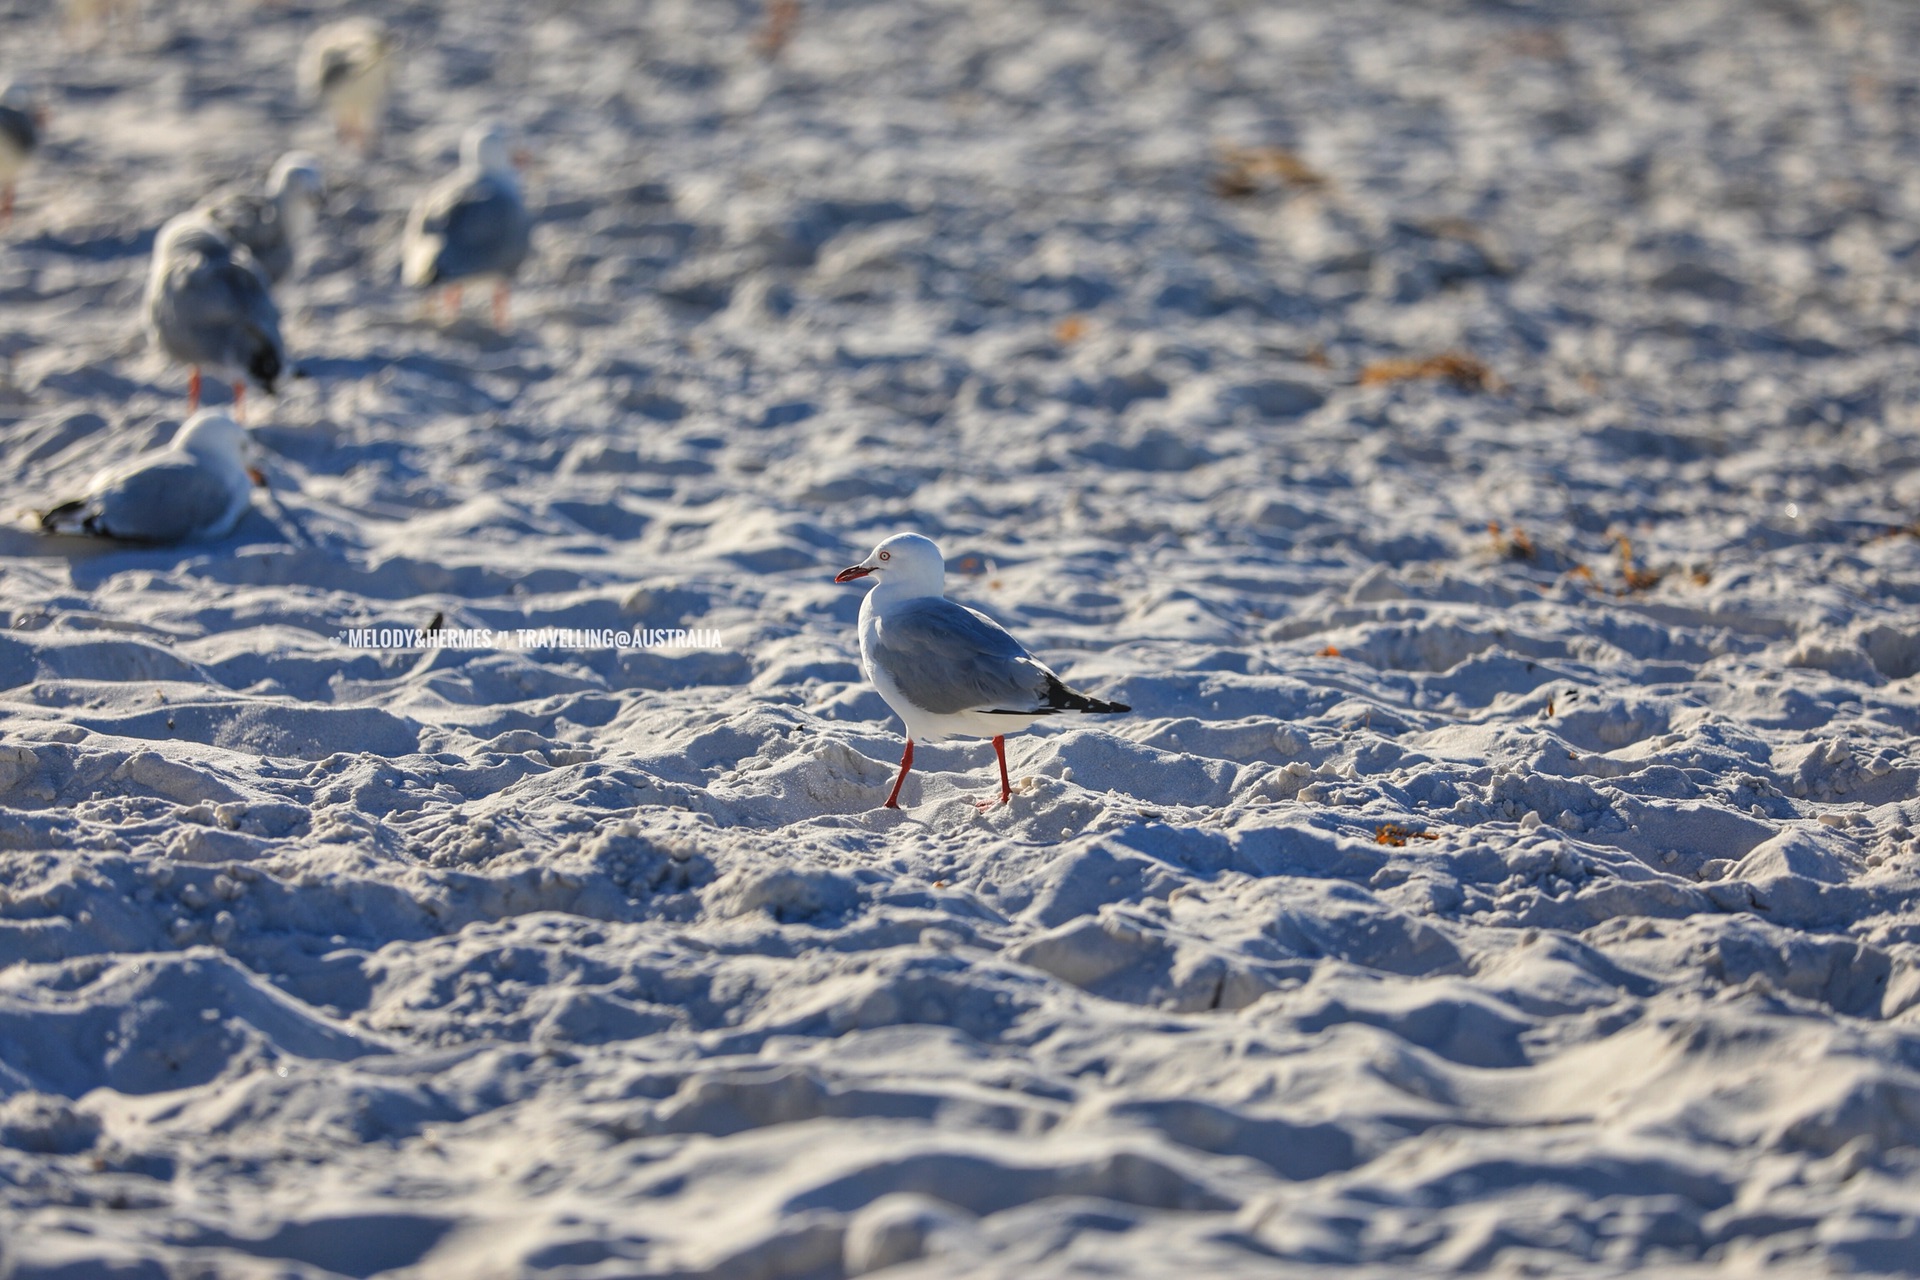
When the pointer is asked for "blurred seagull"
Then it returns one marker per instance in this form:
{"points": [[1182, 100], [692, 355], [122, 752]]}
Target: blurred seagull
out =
{"points": [[348, 66], [209, 308], [197, 487], [473, 224], [95, 17], [21, 120], [945, 669], [272, 223]]}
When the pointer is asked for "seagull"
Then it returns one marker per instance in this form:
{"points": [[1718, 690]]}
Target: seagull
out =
{"points": [[98, 16], [21, 120], [196, 488], [945, 669], [473, 224], [271, 224], [208, 305], [348, 66]]}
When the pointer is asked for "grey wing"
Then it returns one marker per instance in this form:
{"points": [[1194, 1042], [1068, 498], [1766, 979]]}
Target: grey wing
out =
{"points": [[946, 658], [338, 65], [18, 126], [165, 502], [254, 222], [485, 229], [215, 310]]}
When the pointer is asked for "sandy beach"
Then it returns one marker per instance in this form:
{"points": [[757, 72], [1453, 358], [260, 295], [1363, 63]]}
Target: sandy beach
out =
{"points": [[1479, 440]]}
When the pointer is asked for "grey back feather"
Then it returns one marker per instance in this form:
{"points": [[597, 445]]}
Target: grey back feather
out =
{"points": [[254, 222], [947, 658], [483, 225]]}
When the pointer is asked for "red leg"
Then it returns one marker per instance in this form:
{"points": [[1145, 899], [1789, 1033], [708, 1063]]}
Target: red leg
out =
{"points": [[193, 390], [906, 763], [1006, 787], [452, 297], [500, 306], [240, 401]]}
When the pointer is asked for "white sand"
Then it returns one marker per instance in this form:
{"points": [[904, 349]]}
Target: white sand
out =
{"points": [[325, 962]]}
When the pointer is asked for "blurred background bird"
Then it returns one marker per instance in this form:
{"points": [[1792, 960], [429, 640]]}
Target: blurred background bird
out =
{"points": [[348, 66], [197, 487], [473, 225], [91, 20], [272, 223], [209, 307], [22, 120]]}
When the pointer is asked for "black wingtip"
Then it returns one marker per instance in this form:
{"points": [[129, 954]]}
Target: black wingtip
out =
{"points": [[50, 518], [1061, 698], [266, 368]]}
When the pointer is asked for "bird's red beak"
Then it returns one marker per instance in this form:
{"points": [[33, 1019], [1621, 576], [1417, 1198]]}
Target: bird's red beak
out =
{"points": [[258, 477], [848, 575]]}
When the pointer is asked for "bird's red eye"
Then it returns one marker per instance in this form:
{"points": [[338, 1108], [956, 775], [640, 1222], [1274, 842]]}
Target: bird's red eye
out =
{"points": [[886, 555]]}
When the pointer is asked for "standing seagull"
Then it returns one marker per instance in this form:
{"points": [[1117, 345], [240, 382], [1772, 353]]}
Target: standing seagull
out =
{"points": [[209, 307], [272, 224], [21, 120], [198, 487], [348, 66], [945, 669], [471, 225]]}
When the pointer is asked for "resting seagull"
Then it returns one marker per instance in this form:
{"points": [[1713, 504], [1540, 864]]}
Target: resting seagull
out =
{"points": [[21, 120], [348, 66], [272, 224], [473, 225], [208, 306], [197, 487], [947, 670]]}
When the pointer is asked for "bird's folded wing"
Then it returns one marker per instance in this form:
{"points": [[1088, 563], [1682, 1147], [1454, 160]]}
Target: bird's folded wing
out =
{"points": [[339, 64], [217, 292], [946, 658], [164, 501], [252, 221], [485, 231]]}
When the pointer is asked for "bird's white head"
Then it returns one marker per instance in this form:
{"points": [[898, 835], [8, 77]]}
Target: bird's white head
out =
{"points": [[213, 437], [906, 566], [485, 148], [298, 174]]}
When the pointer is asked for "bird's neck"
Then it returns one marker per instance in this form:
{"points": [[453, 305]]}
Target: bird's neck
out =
{"points": [[497, 167], [888, 593], [295, 214]]}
